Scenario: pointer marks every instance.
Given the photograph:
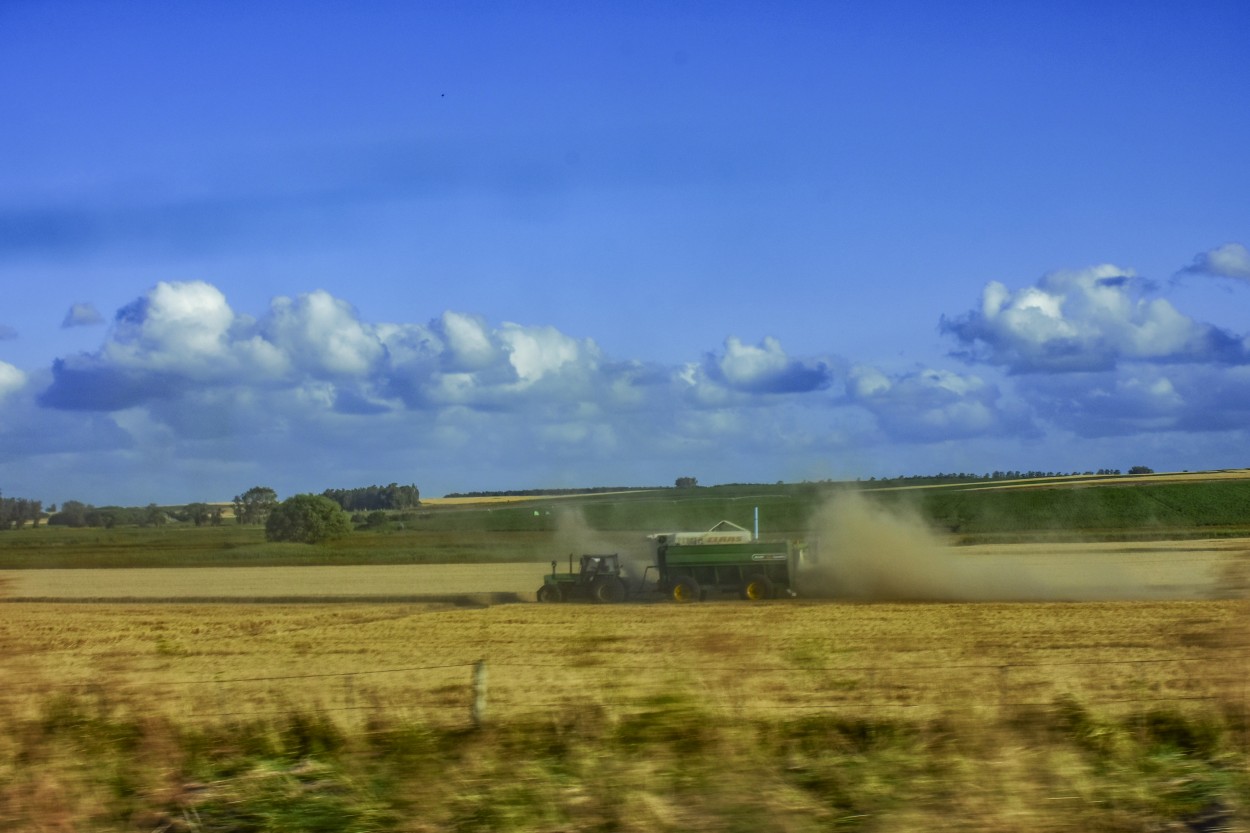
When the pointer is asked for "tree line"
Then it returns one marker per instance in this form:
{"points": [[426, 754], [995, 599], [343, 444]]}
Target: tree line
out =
{"points": [[251, 507], [1015, 474], [16, 511], [364, 498], [78, 514]]}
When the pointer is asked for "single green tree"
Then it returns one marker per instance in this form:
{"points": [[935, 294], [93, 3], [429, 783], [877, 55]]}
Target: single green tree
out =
{"points": [[307, 519], [152, 515], [197, 513], [73, 513], [254, 505]]}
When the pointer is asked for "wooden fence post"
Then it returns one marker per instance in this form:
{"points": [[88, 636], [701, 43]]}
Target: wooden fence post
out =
{"points": [[478, 710], [1003, 673]]}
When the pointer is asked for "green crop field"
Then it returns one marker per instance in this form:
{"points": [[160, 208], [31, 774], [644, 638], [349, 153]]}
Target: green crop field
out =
{"points": [[1063, 509]]}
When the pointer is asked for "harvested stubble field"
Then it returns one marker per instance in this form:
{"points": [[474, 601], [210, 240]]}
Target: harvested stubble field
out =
{"points": [[788, 716], [260, 584], [198, 661]]}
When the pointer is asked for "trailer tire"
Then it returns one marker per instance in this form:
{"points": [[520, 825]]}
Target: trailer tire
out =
{"points": [[609, 591], [758, 587], [686, 589], [549, 593]]}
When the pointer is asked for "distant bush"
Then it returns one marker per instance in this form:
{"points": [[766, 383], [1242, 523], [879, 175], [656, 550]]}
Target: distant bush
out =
{"points": [[307, 519]]}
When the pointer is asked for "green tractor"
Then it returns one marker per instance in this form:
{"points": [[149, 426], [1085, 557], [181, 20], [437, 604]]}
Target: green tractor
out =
{"points": [[598, 580]]}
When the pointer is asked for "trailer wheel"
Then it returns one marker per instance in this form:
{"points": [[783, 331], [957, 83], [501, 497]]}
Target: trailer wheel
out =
{"points": [[758, 587], [549, 593], [686, 589], [609, 591]]}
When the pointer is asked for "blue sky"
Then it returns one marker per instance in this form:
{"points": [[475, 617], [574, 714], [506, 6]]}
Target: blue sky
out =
{"points": [[489, 246]]}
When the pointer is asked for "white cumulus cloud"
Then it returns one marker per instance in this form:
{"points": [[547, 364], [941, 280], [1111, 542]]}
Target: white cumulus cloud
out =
{"points": [[11, 379], [754, 369], [468, 341], [1232, 260], [535, 352], [932, 405], [82, 315], [1083, 320], [182, 327], [322, 334]]}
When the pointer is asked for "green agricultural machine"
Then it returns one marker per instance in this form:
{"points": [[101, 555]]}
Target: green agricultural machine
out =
{"points": [[599, 579], [687, 567], [725, 559]]}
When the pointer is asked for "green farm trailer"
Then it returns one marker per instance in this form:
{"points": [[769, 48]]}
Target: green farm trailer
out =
{"points": [[725, 559]]}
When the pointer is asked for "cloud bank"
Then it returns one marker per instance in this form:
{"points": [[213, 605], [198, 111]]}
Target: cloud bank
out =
{"points": [[309, 394], [1085, 320]]}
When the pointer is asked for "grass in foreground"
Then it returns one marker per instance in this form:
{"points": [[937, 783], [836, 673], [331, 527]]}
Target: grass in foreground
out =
{"points": [[774, 717], [671, 766]]}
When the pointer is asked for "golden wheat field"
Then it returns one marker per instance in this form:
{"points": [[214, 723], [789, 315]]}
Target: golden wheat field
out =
{"points": [[214, 661], [1043, 714], [260, 583], [1166, 639]]}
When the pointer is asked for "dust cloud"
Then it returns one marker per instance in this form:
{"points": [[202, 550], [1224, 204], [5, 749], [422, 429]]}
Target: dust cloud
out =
{"points": [[866, 551], [576, 537]]}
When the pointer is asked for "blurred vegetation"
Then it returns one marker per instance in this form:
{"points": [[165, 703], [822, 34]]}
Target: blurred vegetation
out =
{"points": [[85, 762]]}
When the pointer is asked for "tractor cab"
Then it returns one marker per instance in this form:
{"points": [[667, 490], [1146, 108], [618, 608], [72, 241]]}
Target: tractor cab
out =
{"points": [[598, 579], [594, 566]]}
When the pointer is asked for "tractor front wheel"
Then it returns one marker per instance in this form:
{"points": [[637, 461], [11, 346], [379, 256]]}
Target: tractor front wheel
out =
{"points": [[609, 591], [549, 593], [686, 589]]}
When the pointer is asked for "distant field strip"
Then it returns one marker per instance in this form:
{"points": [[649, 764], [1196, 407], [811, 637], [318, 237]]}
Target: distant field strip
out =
{"points": [[278, 583], [1178, 568], [489, 499], [1114, 479], [1069, 480]]}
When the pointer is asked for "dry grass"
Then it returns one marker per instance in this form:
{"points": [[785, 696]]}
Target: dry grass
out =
{"points": [[259, 583], [797, 716], [740, 659], [915, 659]]}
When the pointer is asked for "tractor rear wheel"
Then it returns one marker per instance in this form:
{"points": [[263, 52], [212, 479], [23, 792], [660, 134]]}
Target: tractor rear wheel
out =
{"points": [[758, 587], [686, 589], [549, 593], [609, 590]]}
